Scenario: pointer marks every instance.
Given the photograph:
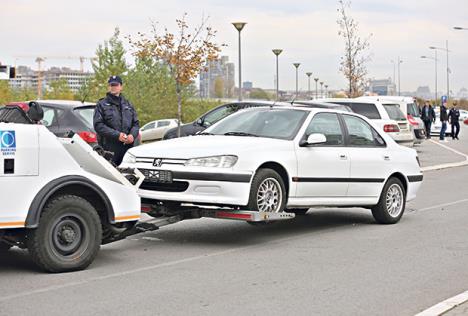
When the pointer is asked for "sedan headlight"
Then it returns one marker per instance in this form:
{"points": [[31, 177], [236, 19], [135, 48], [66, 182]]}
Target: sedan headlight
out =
{"points": [[129, 158], [213, 161]]}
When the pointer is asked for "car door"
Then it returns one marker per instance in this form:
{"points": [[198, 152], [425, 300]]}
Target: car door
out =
{"points": [[146, 131], [369, 157], [323, 169]]}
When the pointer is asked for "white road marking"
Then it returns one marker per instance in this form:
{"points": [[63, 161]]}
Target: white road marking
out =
{"points": [[442, 205], [445, 306], [447, 165]]}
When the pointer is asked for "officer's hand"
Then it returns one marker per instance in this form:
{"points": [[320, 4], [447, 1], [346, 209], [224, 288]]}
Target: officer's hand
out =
{"points": [[130, 139], [122, 137]]}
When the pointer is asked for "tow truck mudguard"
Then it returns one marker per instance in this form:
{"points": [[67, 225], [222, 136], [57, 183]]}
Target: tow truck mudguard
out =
{"points": [[37, 205]]}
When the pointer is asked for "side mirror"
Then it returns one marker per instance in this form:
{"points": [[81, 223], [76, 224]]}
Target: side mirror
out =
{"points": [[313, 139], [199, 122]]}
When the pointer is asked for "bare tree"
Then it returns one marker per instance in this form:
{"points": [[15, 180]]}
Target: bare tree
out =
{"points": [[353, 63], [185, 53]]}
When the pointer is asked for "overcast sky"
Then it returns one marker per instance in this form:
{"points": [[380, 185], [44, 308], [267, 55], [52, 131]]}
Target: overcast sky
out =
{"points": [[306, 30]]}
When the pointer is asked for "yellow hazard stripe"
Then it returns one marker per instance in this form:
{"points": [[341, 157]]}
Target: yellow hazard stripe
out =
{"points": [[127, 218], [16, 224]]}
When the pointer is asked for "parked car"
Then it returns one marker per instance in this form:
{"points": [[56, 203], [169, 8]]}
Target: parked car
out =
{"points": [[463, 115], [215, 115], [63, 116], [321, 105], [282, 158], [407, 105], [155, 130], [388, 117]]}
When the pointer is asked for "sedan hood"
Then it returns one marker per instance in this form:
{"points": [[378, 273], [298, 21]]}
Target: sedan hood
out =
{"points": [[207, 145]]}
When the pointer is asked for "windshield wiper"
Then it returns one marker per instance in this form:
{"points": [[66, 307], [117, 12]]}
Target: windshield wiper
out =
{"points": [[239, 134], [205, 133]]}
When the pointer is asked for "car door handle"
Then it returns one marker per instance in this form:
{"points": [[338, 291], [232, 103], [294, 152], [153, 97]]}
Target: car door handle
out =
{"points": [[343, 157], [386, 158]]}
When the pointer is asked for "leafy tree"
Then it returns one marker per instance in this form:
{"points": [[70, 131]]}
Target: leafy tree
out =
{"points": [[185, 53], [353, 63], [151, 90], [59, 90], [258, 93], [109, 61], [6, 94]]}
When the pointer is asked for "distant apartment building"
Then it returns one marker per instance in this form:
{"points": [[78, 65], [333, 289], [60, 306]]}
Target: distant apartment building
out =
{"points": [[382, 87], [28, 78], [217, 81]]}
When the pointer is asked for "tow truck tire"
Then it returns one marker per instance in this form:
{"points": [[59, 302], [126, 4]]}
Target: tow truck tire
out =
{"points": [[4, 247], [68, 237], [391, 204]]}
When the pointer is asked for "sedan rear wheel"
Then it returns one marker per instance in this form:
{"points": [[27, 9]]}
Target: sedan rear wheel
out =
{"points": [[391, 204]]}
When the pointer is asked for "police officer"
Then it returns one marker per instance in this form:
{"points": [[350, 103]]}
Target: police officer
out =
{"points": [[454, 117], [115, 121]]}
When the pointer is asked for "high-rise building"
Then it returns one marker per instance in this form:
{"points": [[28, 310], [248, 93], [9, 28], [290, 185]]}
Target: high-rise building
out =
{"points": [[217, 80], [28, 78]]}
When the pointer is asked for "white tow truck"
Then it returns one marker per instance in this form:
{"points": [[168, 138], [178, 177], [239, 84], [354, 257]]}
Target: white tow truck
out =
{"points": [[61, 199]]}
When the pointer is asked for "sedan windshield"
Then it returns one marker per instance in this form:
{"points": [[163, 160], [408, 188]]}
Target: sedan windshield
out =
{"points": [[272, 123]]}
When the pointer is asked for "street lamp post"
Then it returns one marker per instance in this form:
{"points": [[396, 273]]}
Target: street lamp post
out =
{"points": [[448, 70], [399, 81], [297, 77], [316, 89], [308, 84], [277, 51], [326, 91], [321, 89], [435, 61], [239, 26], [394, 71]]}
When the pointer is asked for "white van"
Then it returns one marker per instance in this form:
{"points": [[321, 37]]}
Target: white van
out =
{"points": [[387, 116], [409, 107]]}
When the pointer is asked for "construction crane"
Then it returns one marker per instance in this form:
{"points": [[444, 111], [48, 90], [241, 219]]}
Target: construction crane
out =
{"points": [[41, 59]]}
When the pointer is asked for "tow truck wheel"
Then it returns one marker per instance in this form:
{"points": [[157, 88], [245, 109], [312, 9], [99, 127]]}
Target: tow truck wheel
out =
{"points": [[4, 247], [68, 237]]}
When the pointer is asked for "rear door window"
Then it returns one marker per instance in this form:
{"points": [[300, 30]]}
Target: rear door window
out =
{"points": [[328, 125], [413, 110], [163, 123], [361, 134], [86, 116], [148, 126], [368, 110]]}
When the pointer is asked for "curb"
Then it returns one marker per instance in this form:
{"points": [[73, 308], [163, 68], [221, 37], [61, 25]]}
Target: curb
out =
{"points": [[445, 306]]}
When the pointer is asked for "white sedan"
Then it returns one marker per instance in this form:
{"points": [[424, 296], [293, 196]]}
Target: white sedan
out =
{"points": [[155, 130], [278, 159]]}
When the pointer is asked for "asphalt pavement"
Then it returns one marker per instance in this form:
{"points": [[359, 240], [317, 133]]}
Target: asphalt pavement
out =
{"points": [[328, 262]]}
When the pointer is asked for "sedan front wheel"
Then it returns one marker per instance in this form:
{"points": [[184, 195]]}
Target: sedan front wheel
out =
{"points": [[268, 192]]}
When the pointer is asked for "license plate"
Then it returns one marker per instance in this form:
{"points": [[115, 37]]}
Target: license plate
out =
{"points": [[160, 176]]}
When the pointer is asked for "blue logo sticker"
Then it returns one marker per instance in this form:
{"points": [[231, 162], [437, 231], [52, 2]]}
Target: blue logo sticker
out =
{"points": [[8, 142]]}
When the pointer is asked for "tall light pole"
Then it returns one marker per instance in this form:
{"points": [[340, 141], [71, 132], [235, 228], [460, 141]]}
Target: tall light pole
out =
{"points": [[326, 91], [297, 77], [435, 60], [277, 52], [394, 71], [308, 83], [316, 89], [239, 26], [399, 81], [321, 89], [448, 70]]}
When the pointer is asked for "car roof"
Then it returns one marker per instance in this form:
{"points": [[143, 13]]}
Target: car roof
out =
{"points": [[317, 104], [259, 102], [302, 108], [388, 98], [65, 104]]}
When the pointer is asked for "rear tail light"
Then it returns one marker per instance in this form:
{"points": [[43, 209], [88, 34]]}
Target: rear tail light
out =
{"points": [[391, 128], [88, 137], [411, 120], [466, 121]]}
